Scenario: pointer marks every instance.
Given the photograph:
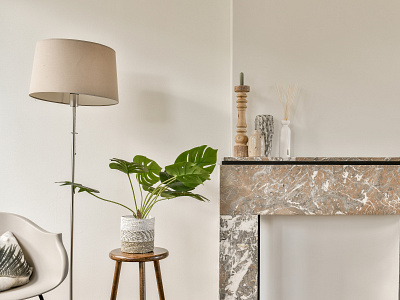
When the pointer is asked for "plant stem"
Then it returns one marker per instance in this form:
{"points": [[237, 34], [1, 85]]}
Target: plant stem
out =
{"points": [[162, 199], [154, 202], [113, 202], [152, 197], [149, 195], [148, 201], [141, 193], [133, 191]]}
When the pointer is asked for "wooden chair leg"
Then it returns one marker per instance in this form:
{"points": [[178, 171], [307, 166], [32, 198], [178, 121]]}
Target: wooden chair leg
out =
{"points": [[142, 280], [41, 297], [116, 280], [159, 280]]}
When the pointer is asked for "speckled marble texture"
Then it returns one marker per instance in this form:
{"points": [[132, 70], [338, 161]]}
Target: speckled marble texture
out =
{"points": [[310, 189], [238, 271], [312, 159], [291, 189]]}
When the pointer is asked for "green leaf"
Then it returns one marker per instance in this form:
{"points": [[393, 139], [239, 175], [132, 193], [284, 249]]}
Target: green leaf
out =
{"points": [[170, 194], [153, 170], [126, 166], [176, 194], [176, 184], [203, 156], [188, 173], [81, 188]]}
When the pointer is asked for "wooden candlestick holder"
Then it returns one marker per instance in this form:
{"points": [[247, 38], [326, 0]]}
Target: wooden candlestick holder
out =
{"points": [[241, 139]]}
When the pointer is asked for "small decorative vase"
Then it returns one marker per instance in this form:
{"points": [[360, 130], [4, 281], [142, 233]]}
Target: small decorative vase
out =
{"points": [[137, 235], [256, 144], [284, 143], [265, 123]]}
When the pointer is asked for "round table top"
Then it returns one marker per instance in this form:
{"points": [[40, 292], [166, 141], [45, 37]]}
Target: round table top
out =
{"points": [[157, 254]]}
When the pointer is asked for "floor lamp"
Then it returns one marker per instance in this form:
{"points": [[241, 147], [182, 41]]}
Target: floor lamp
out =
{"points": [[77, 73]]}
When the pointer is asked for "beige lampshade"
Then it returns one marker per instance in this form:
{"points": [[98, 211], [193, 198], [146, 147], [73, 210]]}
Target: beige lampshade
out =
{"points": [[62, 67]]}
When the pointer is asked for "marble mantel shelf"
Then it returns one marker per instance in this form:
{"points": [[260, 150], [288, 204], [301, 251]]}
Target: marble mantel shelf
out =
{"points": [[323, 186], [310, 186], [310, 159]]}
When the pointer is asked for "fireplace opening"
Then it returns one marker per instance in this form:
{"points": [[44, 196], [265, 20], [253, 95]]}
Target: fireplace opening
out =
{"points": [[328, 257]]}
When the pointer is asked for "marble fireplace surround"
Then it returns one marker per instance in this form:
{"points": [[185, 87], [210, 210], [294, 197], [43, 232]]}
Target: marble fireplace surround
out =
{"points": [[301, 186]]}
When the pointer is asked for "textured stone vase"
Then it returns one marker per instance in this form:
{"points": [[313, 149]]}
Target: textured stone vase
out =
{"points": [[265, 123], [137, 235]]}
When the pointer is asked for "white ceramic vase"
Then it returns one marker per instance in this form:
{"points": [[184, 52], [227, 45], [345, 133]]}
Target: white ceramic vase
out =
{"points": [[284, 142], [137, 235]]}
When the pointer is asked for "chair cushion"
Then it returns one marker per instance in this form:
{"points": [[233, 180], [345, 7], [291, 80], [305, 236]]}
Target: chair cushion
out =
{"points": [[14, 270]]}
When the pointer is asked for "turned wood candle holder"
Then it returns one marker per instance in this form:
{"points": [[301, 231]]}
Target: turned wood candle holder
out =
{"points": [[241, 139]]}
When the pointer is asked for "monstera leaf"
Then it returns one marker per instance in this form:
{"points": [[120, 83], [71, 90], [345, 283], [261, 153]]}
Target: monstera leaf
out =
{"points": [[170, 194], [176, 184], [150, 177], [81, 188], [175, 194], [202, 156], [188, 173], [190, 169], [126, 166]]}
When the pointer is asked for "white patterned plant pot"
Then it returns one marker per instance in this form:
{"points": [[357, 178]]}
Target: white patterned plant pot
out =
{"points": [[137, 235]]}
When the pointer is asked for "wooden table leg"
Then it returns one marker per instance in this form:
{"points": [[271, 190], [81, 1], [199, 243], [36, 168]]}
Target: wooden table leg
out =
{"points": [[159, 280], [142, 280], [116, 280]]}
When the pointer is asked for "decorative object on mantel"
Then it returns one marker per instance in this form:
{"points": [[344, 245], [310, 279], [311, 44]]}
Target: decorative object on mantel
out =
{"points": [[76, 73], [191, 168], [284, 141], [241, 139], [256, 143], [265, 123], [287, 99], [316, 186]]}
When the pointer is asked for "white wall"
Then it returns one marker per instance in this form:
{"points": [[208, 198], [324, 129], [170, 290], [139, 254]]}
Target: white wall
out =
{"points": [[344, 55], [330, 258], [173, 65]]}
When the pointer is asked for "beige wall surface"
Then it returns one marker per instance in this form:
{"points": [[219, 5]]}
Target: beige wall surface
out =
{"points": [[173, 66], [173, 61], [344, 55]]}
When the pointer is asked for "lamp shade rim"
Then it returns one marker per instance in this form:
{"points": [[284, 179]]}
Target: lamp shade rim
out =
{"points": [[76, 40], [105, 100]]}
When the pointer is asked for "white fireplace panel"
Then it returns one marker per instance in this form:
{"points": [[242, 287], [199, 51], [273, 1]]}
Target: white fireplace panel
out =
{"points": [[329, 258]]}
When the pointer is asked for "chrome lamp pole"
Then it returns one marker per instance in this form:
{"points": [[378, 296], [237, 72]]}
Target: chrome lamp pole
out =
{"points": [[74, 104]]}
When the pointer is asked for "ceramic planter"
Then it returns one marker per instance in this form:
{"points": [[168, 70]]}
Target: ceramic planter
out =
{"points": [[137, 235]]}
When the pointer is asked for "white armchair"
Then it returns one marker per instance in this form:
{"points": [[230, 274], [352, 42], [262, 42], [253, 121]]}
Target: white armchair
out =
{"points": [[44, 251]]}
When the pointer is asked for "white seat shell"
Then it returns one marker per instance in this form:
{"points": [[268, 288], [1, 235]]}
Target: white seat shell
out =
{"points": [[44, 251]]}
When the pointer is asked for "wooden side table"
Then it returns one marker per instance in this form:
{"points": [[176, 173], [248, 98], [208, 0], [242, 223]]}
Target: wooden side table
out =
{"points": [[156, 256]]}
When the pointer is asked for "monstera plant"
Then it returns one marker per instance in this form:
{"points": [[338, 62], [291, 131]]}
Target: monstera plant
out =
{"points": [[190, 169]]}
